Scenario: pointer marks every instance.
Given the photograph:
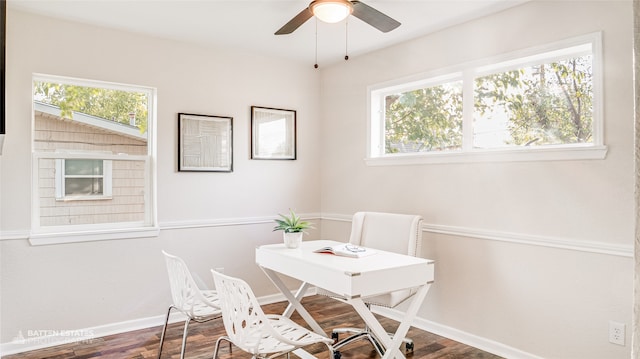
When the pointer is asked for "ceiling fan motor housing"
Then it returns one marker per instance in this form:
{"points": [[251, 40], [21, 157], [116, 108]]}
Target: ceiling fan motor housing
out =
{"points": [[331, 11], [345, 8]]}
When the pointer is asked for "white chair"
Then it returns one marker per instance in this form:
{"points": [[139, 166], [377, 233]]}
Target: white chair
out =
{"points": [[390, 232], [247, 327], [198, 305]]}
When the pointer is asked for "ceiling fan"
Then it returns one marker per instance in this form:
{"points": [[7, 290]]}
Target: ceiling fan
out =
{"points": [[333, 11]]}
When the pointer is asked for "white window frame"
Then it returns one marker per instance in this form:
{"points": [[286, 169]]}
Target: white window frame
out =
{"points": [[148, 227], [61, 177], [468, 72]]}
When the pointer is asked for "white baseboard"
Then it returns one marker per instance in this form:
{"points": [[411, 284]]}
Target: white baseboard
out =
{"points": [[39, 340], [475, 341], [34, 340]]}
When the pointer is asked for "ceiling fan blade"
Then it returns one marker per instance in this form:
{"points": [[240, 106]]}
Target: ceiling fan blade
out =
{"points": [[373, 17], [295, 23]]}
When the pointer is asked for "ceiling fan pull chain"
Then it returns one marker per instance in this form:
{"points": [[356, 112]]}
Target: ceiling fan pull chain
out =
{"points": [[346, 39], [316, 64]]}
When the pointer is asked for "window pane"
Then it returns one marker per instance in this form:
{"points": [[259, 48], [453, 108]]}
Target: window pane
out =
{"points": [[119, 110], [427, 119], [83, 186], [546, 104], [83, 167], [125, 203]]}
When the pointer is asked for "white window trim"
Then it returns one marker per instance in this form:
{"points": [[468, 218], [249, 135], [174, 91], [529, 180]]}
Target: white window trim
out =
{"points": [[86, 233], [61, 176], [375, 111]]}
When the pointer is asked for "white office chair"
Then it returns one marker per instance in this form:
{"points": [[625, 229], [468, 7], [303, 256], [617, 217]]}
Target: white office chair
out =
{"points": [[390, 232], [247, 327], [198, 305]]}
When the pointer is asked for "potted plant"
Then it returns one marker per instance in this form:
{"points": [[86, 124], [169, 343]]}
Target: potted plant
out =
{"points": [[292, 227]]}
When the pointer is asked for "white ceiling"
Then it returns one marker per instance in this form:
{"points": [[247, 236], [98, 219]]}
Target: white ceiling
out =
{"points": [[250, 24]]}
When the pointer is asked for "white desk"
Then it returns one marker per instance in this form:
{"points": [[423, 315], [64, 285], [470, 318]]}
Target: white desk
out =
{"points": [[354, 278]]}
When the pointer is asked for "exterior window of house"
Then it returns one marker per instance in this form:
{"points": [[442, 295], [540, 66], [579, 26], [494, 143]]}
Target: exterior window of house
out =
{"points": [[83, 179], [536, 104], [93, 146]]}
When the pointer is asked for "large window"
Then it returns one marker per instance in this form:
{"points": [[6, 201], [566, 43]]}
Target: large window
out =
{"points": [[92, 160], [536, 104]]}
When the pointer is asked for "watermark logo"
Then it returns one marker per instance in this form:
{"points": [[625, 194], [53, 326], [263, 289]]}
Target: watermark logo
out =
{"points": [[53, 336]]}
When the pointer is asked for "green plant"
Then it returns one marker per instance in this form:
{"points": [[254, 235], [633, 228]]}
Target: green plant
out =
{"points": [[291, 223]]}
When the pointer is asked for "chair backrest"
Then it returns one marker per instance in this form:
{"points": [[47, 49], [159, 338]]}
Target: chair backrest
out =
{"points": [[399, 233], [184, 289], [244, 320]]}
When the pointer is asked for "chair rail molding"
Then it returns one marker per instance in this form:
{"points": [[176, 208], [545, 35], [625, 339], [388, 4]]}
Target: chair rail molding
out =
{"points": [[516, 238], [12, 235], [163, 226], [235, 221], [459, 231]]}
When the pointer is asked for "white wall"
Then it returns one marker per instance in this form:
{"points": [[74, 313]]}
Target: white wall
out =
{"points": [[84, 285], [491, 288], [501, 280]]}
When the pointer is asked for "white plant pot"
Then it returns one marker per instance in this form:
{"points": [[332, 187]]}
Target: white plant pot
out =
{"points": [[292, 240]]}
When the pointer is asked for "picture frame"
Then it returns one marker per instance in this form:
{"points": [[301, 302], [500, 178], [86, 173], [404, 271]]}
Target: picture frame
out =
{"points": [[205, 143], [273, 133]]}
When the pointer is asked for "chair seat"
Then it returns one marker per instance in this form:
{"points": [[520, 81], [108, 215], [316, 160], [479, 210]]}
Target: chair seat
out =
{"points": [[202, 311], [289, 330]]}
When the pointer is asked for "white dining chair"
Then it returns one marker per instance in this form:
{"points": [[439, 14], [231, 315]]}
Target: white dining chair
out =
{"points": [[196, 304], [399, 233], [259, 334]]}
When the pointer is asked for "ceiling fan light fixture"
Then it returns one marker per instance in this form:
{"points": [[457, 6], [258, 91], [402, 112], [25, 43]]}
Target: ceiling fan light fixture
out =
{"points": [[331, 11]]}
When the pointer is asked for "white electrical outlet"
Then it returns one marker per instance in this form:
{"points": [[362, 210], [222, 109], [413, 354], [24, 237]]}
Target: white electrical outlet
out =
{"points": [[616, 333]]}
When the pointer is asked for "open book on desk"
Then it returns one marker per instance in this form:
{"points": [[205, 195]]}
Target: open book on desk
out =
{"points": [[347, 250]]}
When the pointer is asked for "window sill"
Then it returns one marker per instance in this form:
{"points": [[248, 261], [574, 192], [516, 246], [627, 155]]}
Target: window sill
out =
{"points": [[564, 153], [83, 198], [47, 238]]}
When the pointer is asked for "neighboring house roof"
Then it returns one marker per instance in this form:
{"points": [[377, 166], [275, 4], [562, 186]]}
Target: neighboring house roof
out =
{"points": [[91, 121]]}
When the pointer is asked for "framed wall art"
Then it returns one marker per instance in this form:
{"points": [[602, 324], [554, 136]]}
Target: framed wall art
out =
{"points": [[273, 133], [205, 143]]}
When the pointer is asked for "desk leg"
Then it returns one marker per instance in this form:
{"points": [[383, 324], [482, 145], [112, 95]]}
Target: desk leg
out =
{"points": [[299, 295], [392, 347], [294, 301]]}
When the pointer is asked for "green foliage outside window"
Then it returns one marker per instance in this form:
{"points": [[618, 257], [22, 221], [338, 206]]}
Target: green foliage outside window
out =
{"points": [[427, 119], [545, 104], [110, 104]]}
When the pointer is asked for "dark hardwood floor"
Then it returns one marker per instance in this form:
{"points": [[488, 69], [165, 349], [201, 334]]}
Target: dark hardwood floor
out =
{"points": [[202, 336]]}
